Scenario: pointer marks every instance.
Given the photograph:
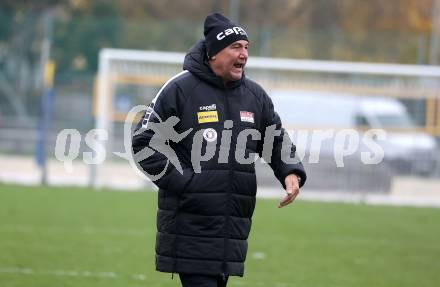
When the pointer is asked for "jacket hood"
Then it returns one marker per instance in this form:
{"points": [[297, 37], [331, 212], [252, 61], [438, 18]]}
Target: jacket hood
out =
{"points": [[196, 62]]}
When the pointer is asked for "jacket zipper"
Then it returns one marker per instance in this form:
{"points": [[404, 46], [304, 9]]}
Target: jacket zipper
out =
{"points": [[228, 192]]}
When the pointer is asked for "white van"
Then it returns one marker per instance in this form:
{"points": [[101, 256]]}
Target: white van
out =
{"points": [[405, 148]]}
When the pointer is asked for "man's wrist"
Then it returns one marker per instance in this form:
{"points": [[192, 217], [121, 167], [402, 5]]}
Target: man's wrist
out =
{"points": [[297, 177]]}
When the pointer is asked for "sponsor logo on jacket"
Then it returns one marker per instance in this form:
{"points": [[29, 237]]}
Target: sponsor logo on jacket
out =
{"points": [[207, 117], [247, 117], [212, 107], [210, 135]]}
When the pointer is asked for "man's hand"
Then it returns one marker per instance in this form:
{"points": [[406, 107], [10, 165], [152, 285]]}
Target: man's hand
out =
{"points": [[292, 189]]}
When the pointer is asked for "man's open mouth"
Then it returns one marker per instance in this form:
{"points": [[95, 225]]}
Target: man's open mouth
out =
{"points": [[238, 65]]}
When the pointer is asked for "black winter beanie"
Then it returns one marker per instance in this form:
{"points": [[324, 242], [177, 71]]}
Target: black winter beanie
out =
{"points": [[220, 32]]}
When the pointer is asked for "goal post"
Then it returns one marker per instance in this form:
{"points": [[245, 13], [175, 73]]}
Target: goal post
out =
{"points": [[128, 77]]}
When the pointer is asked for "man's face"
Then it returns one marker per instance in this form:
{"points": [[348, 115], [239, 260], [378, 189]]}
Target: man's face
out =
{"points": [[229, 63]]}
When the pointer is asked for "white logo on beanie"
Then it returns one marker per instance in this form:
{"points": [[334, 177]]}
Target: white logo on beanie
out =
{"points": [[235, 30]]}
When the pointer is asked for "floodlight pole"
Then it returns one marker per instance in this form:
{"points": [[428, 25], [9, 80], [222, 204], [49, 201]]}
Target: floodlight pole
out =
{"points": [[234, 10], [433, 57]]}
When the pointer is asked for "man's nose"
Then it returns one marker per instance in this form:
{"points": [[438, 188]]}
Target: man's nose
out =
{"points": [[243, 53]]}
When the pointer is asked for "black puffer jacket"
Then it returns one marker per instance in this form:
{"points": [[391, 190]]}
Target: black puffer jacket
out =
{"points": [[204, 219]]}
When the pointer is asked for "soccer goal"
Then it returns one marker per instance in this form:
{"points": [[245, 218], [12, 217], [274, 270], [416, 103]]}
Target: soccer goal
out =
{"points": [[127, 78]]}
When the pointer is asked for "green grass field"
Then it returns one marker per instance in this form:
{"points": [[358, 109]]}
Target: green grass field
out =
{"points": [[78, 237]]}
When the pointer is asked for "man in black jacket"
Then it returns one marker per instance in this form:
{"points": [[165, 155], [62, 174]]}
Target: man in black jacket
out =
{"points": [[206, 176]]}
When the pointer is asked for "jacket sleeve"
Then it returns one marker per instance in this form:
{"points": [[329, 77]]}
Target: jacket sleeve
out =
{"points": [[148, 159], [281, 139]]}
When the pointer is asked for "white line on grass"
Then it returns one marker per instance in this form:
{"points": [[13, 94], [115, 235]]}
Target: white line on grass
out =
{"points": [[106, 275], [259, 255], [60, 248], [70, 273], [76, 229]]}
